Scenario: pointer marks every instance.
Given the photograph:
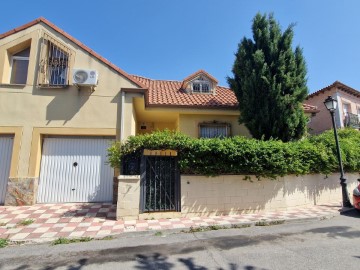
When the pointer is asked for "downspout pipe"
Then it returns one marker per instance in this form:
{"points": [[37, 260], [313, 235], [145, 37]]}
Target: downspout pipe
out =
{"points": [[122, 116]]}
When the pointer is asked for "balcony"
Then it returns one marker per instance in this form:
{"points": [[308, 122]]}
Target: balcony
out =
{"points": [[352, 120]]}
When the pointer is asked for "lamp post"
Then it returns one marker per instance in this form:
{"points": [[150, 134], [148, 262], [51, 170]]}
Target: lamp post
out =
{"points": [[331, 104]]}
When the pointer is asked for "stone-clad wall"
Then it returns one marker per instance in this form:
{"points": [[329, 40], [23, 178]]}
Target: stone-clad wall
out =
{"points": [[128, 203], [21, 191], [231, 194]]}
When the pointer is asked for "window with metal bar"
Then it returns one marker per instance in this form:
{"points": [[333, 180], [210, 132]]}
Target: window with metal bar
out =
{"points": [[57, 66], [214, 130], [200, 85], [54, 63]]}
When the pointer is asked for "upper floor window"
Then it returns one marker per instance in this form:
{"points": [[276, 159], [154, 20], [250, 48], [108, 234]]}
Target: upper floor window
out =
{"points": [[214, 129], [19, 67], [346, 108], [200, 85], [57, 65], [54, 63]]}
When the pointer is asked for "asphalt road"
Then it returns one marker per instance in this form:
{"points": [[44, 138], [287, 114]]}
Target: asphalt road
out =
{"points": [[317, 244]]}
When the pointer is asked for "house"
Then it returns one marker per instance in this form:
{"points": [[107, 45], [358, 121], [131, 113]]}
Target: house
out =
{"points": [[196, 106], [55, 128], [347, 113], [61, 104]]}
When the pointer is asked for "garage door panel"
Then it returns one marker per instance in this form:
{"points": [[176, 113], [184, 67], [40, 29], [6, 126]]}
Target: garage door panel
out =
{"points": [[6, 145], [75, 170]]}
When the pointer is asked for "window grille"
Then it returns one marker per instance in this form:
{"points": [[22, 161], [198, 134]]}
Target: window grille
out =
{"points": [[352, 120], [196, 87], [54, 63], [214, 129], [200, 85]]}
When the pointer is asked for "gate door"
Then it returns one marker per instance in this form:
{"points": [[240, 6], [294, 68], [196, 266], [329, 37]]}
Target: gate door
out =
{"points": [[160, 181]]}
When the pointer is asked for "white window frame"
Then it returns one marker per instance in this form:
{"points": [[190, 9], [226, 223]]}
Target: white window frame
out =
{"points": [[348, 108], [202, 83], [215, 124], [21, 58]]}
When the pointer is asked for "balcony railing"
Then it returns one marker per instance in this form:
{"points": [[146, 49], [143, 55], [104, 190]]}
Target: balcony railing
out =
{"points": [[352, 120]]}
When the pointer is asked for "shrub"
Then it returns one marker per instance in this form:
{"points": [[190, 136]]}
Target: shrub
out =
{"points": [[240, 155]]}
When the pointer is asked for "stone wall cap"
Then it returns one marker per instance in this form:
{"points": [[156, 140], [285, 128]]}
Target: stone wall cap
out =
{"points": [[128, 177]]}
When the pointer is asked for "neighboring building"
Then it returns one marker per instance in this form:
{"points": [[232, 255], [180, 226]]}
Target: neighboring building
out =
{"points": [[61, 104], [347, 113]]}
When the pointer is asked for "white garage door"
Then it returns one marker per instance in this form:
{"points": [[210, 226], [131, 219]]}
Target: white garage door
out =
{"points": [[75, 170], [6, 145]]}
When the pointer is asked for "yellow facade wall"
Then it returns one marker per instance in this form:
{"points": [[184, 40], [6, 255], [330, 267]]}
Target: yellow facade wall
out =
{"points": [[17, 133], [37, 110], [189, 124]]}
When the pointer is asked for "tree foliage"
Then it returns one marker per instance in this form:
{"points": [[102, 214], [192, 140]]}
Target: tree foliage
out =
{"points": [[270, 82]]}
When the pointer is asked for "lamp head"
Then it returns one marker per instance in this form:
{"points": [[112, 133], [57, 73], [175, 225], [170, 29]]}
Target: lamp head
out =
{"points": [[330, 104]]}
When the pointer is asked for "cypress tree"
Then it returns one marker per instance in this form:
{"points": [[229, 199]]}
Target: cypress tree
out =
{"points": [[269, 81]]}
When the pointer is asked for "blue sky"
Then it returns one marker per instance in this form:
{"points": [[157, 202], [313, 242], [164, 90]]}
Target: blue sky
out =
{"points": [[170, 39]]}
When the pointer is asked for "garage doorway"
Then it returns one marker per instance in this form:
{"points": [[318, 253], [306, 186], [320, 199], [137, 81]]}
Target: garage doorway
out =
{"points": [[6, 146], [75, 170]]}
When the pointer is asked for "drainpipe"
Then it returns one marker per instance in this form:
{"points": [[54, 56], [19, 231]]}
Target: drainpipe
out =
{"points": [[338, 113], [122, 116]]}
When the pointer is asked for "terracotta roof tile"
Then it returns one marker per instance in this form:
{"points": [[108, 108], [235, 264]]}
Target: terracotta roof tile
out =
{"points": [[169, 93]]}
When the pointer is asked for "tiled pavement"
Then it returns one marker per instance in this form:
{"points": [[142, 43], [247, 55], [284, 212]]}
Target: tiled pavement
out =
{"points": [[51, 221]]}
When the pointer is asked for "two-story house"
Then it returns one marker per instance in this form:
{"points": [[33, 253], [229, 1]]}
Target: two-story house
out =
{"points": [[61, 104], [347, 113]]}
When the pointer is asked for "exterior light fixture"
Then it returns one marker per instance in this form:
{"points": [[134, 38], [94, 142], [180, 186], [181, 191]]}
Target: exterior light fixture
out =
{"points": [[331, 105]]}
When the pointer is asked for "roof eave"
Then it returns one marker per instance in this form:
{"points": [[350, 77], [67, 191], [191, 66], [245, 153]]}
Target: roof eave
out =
{"points": [[193, 106], [134, 90], [339, 85]]}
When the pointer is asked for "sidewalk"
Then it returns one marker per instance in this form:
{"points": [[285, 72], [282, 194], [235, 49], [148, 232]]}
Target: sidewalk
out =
{"points": [[51, 221]]}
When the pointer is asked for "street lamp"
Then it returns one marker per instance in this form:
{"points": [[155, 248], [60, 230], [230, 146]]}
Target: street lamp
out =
{"points": [[331, 104]]}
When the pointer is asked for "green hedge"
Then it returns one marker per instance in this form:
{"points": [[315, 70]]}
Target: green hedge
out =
{"points": [[240, 155]]}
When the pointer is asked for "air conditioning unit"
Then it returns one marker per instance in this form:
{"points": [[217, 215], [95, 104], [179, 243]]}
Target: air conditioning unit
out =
{"points": [[85, 77]]}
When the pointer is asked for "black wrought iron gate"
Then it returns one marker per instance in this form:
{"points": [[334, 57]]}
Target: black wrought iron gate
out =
{"points": [[160, 183]]}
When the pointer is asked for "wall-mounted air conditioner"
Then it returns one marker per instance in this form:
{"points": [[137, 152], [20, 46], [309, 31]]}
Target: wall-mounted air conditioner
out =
{"points": [[85, 77]]}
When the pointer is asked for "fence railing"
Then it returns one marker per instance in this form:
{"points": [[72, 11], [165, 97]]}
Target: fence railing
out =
{"points": [[352, 120]]}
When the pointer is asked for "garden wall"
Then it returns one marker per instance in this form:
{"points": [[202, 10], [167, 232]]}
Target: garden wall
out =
{"points": [[231, 194]]}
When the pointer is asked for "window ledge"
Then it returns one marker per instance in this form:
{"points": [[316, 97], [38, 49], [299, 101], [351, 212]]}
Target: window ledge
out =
{"points": [[12, 85], [202, 93], [46, 86]]}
